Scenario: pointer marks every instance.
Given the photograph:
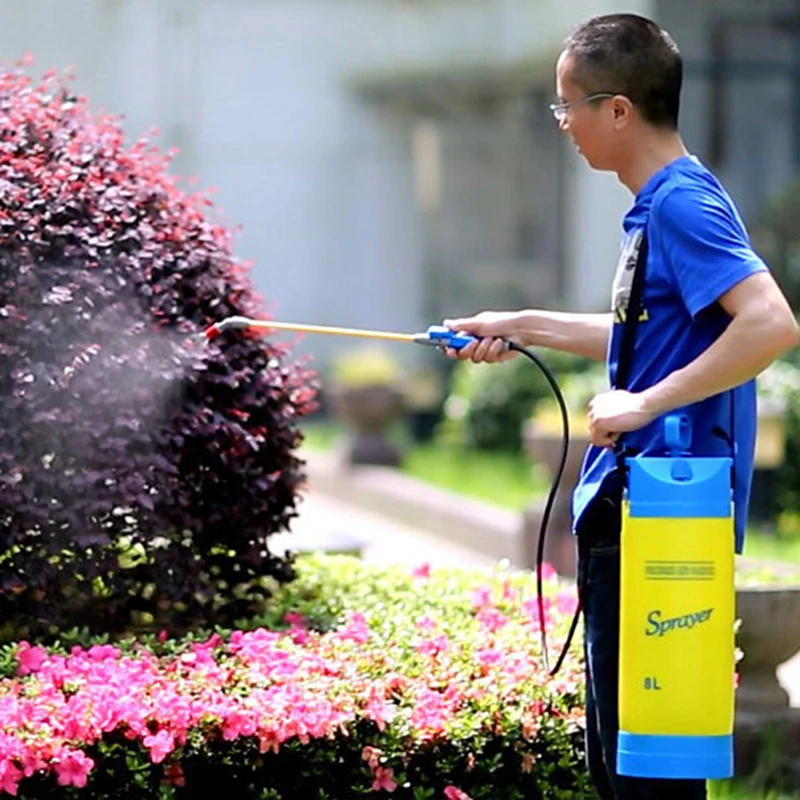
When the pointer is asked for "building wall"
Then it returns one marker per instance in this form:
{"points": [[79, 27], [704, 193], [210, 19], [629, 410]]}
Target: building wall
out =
{"points": [[258, 94], [747, 128]]}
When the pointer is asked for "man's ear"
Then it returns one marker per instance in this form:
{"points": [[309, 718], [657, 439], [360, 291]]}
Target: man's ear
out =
{"points": [[622, 110]]}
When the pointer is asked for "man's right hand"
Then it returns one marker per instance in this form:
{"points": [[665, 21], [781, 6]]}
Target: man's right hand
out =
{"points": [[493, 330]]}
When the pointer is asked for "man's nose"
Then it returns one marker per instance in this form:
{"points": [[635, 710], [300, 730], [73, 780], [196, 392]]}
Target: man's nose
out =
{"points": [[563, 125]]}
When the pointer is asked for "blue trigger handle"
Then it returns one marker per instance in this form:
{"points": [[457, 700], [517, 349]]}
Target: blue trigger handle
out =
{"points": [[441, 336]]}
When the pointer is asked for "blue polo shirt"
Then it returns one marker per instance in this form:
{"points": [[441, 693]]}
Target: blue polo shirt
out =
{"points": [[698, 249]]}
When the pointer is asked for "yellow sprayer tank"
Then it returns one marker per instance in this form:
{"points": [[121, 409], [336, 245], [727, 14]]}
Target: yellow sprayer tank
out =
{"points": [[676, 678]]}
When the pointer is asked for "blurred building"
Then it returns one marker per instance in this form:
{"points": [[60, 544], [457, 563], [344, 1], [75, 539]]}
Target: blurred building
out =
{"points": [[394, 161]]}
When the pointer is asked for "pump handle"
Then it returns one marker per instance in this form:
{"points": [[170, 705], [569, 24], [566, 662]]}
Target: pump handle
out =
{"points": [[677, 434]]}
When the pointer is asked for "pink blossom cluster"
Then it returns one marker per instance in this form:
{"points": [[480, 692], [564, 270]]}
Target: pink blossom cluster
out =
{"points": [[296, 684]]}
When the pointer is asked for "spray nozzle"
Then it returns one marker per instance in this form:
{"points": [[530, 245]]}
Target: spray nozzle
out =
{"points": [[228, 324]]}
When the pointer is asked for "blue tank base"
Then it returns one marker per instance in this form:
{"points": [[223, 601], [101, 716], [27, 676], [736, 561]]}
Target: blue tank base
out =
{"points": [[649, 756]]}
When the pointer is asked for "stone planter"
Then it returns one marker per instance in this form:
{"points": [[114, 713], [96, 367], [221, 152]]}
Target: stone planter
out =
{"points": [[367, 412], [769, 636], [542, 438]]}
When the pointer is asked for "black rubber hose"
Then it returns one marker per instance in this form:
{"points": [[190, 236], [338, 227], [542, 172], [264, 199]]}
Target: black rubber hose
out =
{"points": [[548, 507]]}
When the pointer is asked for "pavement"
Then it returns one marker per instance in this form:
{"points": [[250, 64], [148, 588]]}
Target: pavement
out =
{"points": [[329, 523]]}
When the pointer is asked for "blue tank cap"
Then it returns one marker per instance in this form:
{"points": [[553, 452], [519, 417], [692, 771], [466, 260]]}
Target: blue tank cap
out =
{"points": [[680, 487]]}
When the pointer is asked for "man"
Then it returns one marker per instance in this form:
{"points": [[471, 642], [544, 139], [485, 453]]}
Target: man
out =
{"points": [[711, 319]]}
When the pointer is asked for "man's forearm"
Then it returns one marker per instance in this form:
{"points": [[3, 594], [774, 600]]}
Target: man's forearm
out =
{"points": [[582, 334]]}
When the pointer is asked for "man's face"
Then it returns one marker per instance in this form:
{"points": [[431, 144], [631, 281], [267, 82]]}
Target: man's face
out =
{"points": [[590, 125]]}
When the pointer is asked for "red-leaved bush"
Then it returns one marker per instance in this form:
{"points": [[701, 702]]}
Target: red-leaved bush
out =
{"points": [[141, 470]]}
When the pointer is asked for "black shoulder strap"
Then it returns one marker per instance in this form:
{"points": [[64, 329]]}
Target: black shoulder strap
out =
{"points": [[625, 360], [623, 373]]}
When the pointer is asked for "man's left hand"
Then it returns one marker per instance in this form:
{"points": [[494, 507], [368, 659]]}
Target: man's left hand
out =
{"points": [[616, 412]]}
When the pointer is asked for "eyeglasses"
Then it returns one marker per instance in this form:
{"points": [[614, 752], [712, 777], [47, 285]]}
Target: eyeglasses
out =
{"points": [[560, 110]]}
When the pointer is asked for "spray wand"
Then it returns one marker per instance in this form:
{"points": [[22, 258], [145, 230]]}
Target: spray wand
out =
{"points": [[443, 337], [435, 336]]}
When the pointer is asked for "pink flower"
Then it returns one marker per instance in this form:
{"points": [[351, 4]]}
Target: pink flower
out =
{"points": [[566, 602], [426, 623], [432, 647], [72, 768], [160, 745], [492, 619], [531, 609], [509, 592], [300, 636], [489, 657], [379, 710], [384, 780], [482, 597], [188, 658], [294, 618], [371, 755], [454, 793], [357, 629], [238, 723], [10, 776], [397, 683], [30, 659], [421, 571], [432, 711], [103, 652], [548, 571]]}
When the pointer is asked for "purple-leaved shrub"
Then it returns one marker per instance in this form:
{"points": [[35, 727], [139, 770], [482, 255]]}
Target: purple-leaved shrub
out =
{"points": [[141, 471]]}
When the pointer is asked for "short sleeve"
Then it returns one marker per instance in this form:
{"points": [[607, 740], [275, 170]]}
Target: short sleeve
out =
{"points": [[705, 244]]}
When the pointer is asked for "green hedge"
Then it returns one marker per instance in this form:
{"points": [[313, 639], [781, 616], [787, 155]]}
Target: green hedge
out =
{"points": [[359, 682]]}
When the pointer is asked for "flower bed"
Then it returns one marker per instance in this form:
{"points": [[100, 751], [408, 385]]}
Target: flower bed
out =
{"points": [[424, 685]]}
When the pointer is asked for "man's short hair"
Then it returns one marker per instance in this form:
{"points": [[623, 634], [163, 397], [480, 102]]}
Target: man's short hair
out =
{"points": [[629, 55]]}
